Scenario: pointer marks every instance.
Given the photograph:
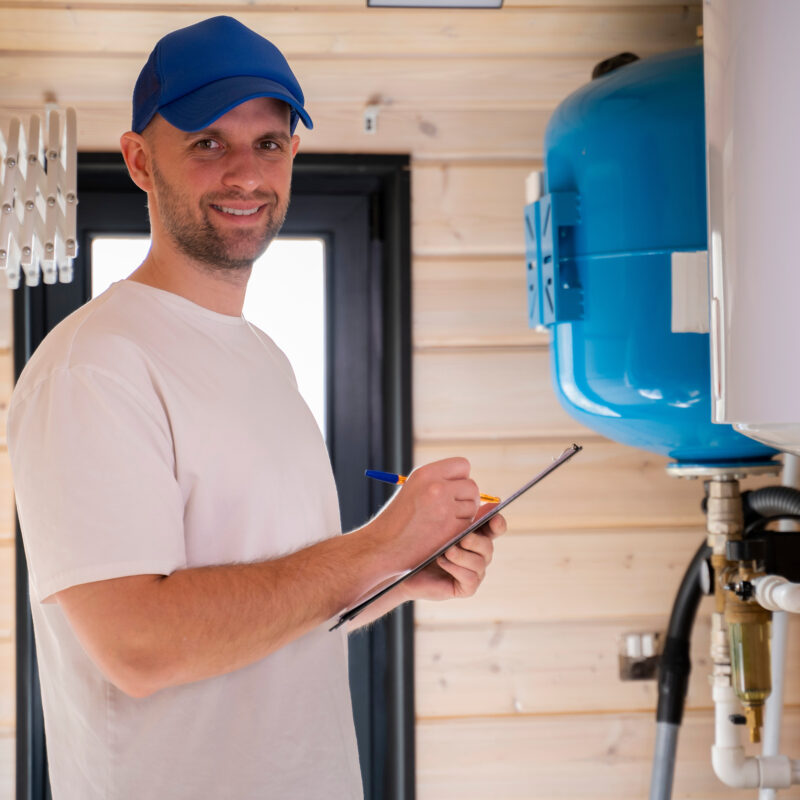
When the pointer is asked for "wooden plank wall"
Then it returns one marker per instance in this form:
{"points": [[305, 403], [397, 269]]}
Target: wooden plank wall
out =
{"points": [[7, 523], [517, 689]]}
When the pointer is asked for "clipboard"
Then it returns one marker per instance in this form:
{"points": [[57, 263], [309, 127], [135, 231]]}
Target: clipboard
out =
{"points": [[350, 613]]}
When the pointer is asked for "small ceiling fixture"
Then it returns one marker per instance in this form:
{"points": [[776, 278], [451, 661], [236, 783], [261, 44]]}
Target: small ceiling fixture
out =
{"points": [[434, 3]]}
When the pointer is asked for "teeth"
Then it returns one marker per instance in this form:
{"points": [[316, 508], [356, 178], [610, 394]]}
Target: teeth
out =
{"points": [[239, 212]]}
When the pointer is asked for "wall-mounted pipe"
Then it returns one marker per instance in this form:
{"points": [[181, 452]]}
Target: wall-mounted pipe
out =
{"points": [[773, 709], [777, 594], [731, 765]]}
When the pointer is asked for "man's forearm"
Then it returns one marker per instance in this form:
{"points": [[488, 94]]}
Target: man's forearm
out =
{"points": [[379, 608], [200, 622]]}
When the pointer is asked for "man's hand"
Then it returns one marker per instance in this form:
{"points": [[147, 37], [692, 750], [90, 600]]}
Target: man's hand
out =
{"points": [[461, 569], [457, 573], [436, 502]]}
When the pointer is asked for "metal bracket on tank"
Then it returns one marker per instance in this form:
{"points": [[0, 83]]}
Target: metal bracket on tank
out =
{"points": [[554, 292], [728, 471]]}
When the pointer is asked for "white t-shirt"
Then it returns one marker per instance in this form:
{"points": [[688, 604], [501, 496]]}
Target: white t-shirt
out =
{"points": [[148, 434]]}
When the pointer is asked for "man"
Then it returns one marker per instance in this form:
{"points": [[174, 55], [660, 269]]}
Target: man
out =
{"points": [[177, 504]]}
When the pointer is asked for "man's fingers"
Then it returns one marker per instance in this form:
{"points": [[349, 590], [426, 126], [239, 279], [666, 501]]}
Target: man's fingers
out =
{"points": [[465, 509], [467, 570], [476, 542], [450, 469], [453, 468], [496, 526], [474, 551], [467, 489]]}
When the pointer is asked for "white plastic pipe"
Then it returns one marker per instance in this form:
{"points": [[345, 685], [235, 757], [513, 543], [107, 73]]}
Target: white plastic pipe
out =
{"points": [[727, 754], [777, 594], [731, 765], [773, 710]]}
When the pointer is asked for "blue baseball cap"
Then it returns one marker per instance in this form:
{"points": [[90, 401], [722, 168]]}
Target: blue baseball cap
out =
{"points": [[196, 74]]}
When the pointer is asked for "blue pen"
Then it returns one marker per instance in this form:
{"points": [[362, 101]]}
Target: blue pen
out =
{"points": [[391, 477]]}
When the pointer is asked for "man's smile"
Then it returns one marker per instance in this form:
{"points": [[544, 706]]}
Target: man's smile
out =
{"points": [[237, 212]]}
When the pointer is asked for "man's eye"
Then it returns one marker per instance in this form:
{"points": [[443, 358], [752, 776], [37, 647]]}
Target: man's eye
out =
{"points": [[207, 144], [268, 144]]}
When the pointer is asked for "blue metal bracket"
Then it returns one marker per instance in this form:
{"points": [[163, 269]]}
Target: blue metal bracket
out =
{"points": [[554, 293]]}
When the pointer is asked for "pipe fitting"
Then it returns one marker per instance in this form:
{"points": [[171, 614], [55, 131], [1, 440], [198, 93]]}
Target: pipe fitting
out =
{"points": [[728, 758], [775, 772], [733, 768], [777, 594], [724, 510], [738, 771]]}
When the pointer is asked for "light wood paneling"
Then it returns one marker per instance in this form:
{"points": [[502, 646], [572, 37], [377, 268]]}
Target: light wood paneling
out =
{"points": [[232, 6], [566, 4], [463, 302], [469, 209], [454, 84], [7, 687], [7, 766], [6, 383], [554, 667], [606, 485], [428, 128], [568, 758], [6, 588], [6, 316], [575, 575], [428, 132], [343, 32], [488, 394], [7, 507]]}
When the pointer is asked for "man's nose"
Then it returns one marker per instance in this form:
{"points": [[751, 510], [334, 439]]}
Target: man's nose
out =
{"points": [[242, 169]]}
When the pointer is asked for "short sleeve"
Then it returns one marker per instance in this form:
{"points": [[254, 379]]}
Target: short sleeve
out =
{"points": [[94, 477]]}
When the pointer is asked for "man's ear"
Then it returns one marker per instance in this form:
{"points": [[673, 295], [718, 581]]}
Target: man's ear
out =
{"points": [[136, 152]]}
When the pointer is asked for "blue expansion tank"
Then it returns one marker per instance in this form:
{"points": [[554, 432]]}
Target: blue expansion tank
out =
{"points": [[616, 261]]}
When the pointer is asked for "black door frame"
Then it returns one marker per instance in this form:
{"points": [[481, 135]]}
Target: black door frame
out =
{"points": [[374, 189]]}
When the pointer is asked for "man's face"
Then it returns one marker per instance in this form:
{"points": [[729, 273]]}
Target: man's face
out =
{"points": [[221, 194]]}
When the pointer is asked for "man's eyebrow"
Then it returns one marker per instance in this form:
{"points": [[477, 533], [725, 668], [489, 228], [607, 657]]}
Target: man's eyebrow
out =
{"points": [[281, 136], [209, 133], [216, 133]]}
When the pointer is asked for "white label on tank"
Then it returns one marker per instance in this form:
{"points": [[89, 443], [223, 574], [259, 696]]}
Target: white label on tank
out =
{"points": [[690, 292]]}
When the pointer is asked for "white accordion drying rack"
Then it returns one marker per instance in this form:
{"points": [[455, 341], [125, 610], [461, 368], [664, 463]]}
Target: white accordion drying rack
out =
{"points": [[38, 198]]}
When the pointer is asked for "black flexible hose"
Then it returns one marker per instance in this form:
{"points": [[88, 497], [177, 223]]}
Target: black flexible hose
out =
{"points": [[772, 501], [762, 522], [762, 506], [675, 664]]}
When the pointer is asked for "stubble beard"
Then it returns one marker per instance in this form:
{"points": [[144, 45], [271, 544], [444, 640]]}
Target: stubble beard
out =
{"points": [[195, 234]]}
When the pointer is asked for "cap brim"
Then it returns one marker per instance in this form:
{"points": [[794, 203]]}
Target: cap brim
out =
{"points": [[198, 109]]}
